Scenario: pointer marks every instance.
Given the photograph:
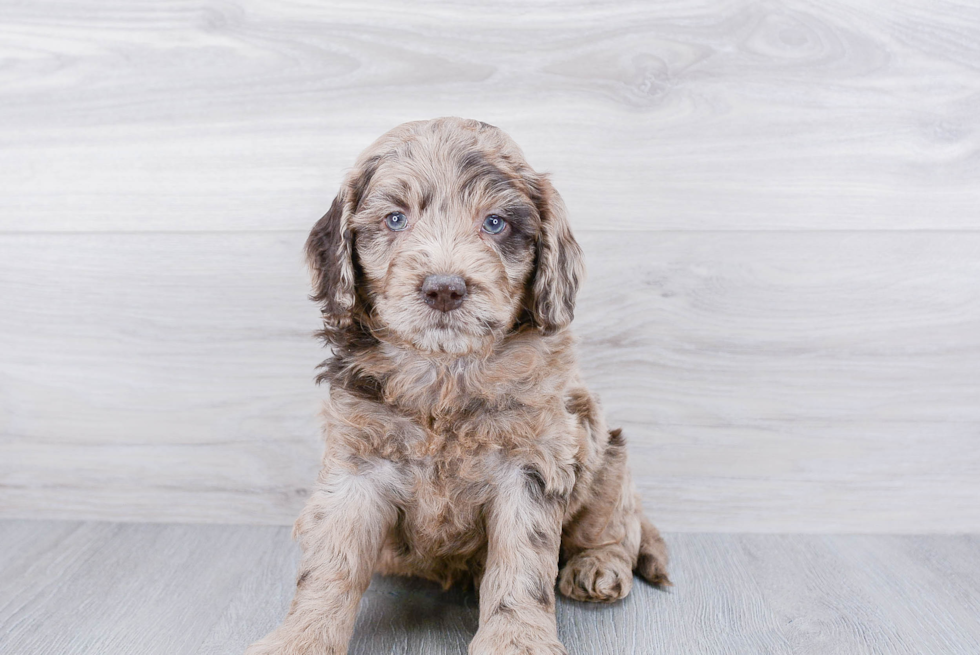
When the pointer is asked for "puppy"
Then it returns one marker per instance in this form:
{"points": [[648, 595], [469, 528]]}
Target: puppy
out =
{"points": [[461, 442]]}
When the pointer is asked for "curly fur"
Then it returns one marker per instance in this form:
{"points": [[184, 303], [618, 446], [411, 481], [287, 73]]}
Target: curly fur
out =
{"points": [[460, 445]]}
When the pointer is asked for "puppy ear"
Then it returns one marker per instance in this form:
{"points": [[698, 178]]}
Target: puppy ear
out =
{"points": [[329, 254], [559, 267], [330, 250]]}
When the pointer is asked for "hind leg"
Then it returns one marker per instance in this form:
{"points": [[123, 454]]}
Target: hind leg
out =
{"points": [[651, 562], [609, 537]]}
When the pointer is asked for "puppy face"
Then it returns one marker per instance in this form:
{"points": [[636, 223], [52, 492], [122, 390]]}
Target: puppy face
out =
{"points": [[443, 238]]}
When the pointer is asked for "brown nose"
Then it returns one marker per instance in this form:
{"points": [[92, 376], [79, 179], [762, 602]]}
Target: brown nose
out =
{"points": [[444, 292]]}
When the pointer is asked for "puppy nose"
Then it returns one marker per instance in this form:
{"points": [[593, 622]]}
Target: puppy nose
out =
{"points": [[444, 292]]}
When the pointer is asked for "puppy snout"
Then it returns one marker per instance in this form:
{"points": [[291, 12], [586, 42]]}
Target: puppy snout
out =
{"points": [[444, 292]]}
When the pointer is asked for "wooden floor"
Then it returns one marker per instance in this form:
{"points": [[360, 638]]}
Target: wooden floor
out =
{"points": [[135, 589], [789, 189]]}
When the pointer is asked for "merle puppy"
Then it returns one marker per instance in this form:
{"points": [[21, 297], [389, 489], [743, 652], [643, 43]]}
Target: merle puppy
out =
{"points": [[461, 442]]}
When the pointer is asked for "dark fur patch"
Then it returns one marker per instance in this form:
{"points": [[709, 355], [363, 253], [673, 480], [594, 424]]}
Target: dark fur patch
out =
{"points": [[514, 246], [360, 184], [301, 580], [537, 487], [396, 199], [646, 565], [478, 407], [534, 481], [426, 200], [542, 594], [474, 408], [616, 438], [503, 608], [522, 218], [556, 280], [341, 370], [323, 248], [399, 536], [365, 387], [475, 169], [329, 244], [516, 242], [349, 343], [579, 403], [539, 539]]}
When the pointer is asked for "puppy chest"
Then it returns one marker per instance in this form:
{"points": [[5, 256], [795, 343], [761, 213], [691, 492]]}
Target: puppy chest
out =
{"points": [[443, 512]]}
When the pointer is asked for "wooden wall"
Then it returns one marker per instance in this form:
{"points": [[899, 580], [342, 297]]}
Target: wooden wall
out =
{"points": [[779, 201]]}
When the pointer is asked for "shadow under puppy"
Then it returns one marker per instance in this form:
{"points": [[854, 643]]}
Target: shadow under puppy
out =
{"points": [[461, 442]]}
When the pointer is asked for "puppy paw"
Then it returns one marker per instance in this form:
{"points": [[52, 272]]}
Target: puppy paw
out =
{"points": [[512, 642], [597, 576]]}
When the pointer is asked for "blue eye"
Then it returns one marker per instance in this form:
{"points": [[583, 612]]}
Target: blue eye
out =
{"points": [[396, 221], [493, 224]]}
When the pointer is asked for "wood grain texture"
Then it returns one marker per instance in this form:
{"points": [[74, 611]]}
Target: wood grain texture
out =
{"points": [[766, 381], [789, 332], [705, 115], [109, 589]]}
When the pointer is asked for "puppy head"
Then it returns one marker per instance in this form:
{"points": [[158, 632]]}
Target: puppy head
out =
{"points": [[442, 237]]}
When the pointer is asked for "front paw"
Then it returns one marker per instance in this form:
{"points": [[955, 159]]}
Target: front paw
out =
{"points": [[514, 641], [284, 642]]}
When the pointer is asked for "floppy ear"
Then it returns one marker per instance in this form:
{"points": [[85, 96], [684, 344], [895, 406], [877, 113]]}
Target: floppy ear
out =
{"points": [[329, 253], [330, 250], [560, 267]]}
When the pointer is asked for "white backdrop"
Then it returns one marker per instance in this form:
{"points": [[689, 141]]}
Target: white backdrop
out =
{"points": [[791, 191]]}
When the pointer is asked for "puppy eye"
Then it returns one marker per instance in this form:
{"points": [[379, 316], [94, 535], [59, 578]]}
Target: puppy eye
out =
{"points": [[396, 221], [493, 224]]}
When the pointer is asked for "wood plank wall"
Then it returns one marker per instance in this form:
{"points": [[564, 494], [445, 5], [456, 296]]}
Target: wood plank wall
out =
{"points": [[779, 201]]}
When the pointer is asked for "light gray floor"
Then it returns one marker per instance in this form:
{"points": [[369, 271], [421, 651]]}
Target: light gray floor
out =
{"points": [[134, 589], [778, 202]]}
